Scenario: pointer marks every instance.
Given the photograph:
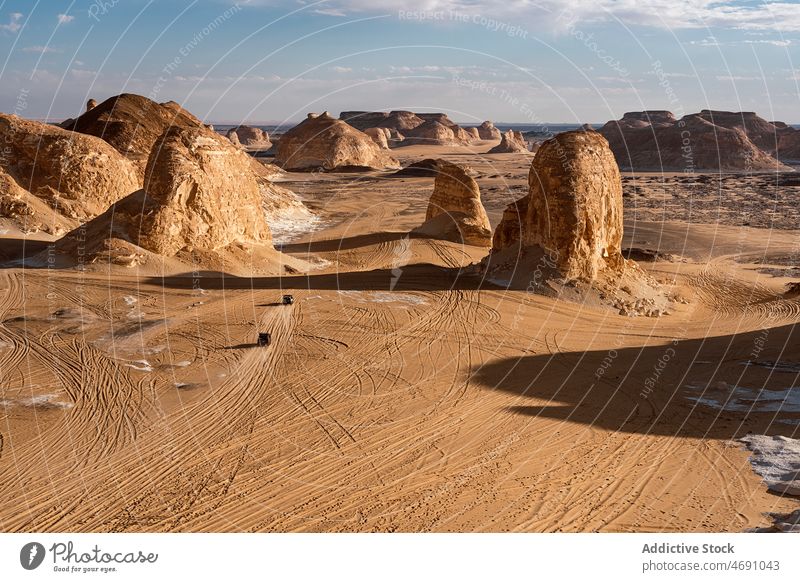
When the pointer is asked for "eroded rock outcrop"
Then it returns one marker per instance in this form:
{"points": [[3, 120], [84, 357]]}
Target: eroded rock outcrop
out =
{"points": [[564, 238], [487, 130], [573, 212], [252, 137], [575, 204], [379, 135], [200, 195], [68, 176], [322, 142], [234, 137], [455, 211], [463, 135], [132, 124], [91, 104], [431, 132], [511, 142], [509, 231], [473, 133]]}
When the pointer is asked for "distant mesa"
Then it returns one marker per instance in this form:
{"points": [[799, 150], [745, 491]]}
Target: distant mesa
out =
{"points": [[132, 124], [400, 121], [53, 179], [249, 137], [421, 128], [709, 140], [322, 142], [455, 211], [511, 142]]}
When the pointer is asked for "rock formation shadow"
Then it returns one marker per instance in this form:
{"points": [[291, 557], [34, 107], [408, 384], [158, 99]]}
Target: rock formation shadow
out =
{"points": [[661, 389], [346, 243], [417, 277], [18, 249]]}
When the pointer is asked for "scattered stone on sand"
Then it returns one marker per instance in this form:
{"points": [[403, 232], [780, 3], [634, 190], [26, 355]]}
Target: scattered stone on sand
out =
{"points": [[776, 459], [792, 290], [646, 255], [455, 211], [323, 142]]}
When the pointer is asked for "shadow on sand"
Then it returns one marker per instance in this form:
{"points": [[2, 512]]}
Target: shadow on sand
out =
{"points": [[654, 389], [347, 243], [418, 277]]}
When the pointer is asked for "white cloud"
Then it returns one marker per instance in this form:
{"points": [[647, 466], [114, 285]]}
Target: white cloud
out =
{"points": [[65, 18], [330, 12], [768, 15], [83, 74], [714, 42], [340, 69], [39, 49], [13, 25], [735, 78], [783, 42]]}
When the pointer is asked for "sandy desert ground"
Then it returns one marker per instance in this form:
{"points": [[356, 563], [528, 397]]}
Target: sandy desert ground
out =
{"points": [[402, 392]]}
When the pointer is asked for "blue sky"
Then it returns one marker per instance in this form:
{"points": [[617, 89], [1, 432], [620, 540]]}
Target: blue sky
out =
{"points": [[506, 60]]}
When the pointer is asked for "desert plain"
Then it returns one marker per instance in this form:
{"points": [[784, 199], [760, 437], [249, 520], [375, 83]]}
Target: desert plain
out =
{"points": [[403, 390]]}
